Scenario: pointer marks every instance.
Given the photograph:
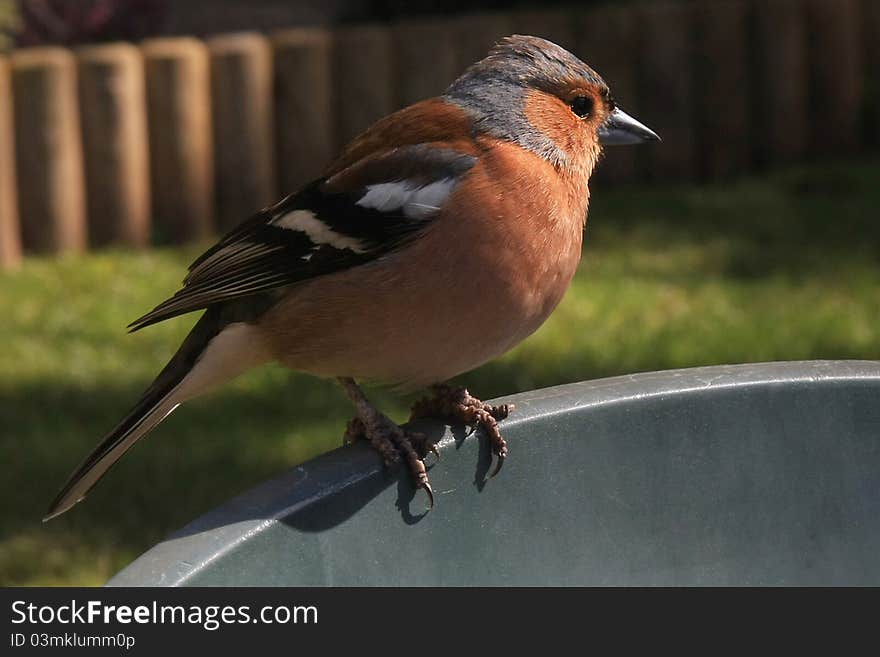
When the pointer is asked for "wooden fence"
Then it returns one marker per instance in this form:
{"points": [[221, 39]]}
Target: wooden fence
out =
{"points": [[175, 139]]}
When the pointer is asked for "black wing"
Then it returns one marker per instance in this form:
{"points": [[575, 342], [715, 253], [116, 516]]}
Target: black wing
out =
{"points": [[329, 226]]}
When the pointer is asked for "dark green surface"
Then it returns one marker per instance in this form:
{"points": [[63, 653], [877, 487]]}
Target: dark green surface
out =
{"points": [[752, 474]]}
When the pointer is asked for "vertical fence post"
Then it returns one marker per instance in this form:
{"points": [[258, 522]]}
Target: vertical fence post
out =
{"points": [[241, 96], [475, 34], [303, 105], [607, 40], [556, 25], [871, 40], [723, 87], [779, 78], [179, 119], [363, 71], [49, 158], [114, 125], [10, 239], [666, 93], [836, 75], [426, 60]]}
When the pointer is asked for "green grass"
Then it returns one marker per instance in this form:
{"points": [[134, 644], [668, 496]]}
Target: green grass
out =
{"points": [[778, 268]]}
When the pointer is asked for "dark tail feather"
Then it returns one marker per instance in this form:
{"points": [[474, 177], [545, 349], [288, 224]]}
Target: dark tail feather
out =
{"points": [[156, 404]]}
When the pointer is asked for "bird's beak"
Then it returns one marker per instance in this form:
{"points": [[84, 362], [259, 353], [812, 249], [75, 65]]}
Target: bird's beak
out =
{"points": [[620, 129]]}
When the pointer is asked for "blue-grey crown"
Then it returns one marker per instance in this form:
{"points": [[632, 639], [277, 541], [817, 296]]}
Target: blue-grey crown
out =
{"points": [[493, 90], [526, 61]]}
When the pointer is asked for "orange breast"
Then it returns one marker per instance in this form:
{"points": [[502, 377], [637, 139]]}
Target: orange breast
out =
{"points": [[486, 273]]}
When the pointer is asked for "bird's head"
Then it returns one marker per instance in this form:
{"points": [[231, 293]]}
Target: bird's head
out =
{"points": [[534, 93]]}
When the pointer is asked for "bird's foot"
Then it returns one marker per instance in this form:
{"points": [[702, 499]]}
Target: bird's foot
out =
{"points": [[394, 443], [459, 404]]}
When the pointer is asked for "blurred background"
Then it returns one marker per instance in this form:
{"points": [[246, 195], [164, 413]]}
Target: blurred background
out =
{"points": [[132, 132]]}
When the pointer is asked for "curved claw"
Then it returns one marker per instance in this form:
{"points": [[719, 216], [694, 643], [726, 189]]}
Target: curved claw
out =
{"points": [[430, 493], [498, 464]]}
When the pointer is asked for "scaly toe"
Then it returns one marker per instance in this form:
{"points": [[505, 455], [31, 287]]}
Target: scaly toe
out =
{"points": [[395, 444], [458, 403], [417, 467]]}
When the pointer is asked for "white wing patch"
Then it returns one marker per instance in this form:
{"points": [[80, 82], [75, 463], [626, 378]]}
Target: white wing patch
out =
{"points": [[417, 202], [317, 231]]}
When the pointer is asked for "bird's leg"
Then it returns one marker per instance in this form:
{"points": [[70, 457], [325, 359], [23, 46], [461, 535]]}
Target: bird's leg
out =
{"points": [[458, 403], [390, 440]]}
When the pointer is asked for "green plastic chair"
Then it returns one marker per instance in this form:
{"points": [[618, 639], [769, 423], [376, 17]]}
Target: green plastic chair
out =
{"points": [[746, 474]]}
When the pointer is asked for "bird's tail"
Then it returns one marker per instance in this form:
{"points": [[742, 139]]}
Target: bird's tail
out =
{"points": [[212, 353]]}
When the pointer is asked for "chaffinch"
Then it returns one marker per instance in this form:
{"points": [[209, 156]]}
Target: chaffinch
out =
{"points": [[474, 198]]}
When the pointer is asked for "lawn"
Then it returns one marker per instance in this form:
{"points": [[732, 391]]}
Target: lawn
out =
{"points": [[781, 267]]}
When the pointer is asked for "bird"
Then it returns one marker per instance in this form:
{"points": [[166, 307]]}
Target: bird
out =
{"points": [[440, 237]]}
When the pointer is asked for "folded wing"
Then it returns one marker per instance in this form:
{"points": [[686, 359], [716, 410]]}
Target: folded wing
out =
{"points": [[352, 217]]}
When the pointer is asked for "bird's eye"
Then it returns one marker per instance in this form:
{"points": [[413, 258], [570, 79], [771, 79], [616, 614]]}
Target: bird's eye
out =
{"points": [[582, 106]]}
